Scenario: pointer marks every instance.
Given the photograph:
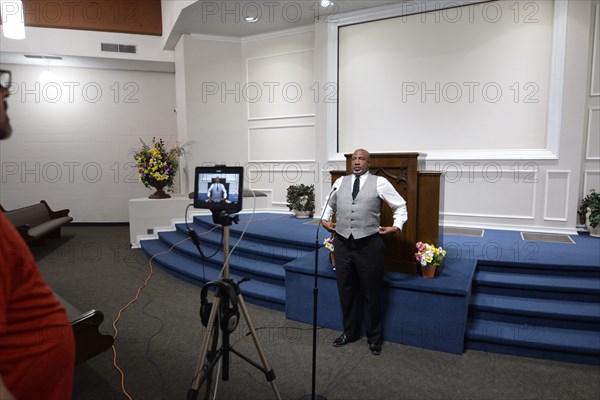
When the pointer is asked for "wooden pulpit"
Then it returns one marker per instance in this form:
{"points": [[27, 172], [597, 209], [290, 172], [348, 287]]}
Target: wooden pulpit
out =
{"points": [[421, 191]]}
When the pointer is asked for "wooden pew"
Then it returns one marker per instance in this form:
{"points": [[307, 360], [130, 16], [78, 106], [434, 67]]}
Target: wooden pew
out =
{"points": [[89, 342], [37, 221]]}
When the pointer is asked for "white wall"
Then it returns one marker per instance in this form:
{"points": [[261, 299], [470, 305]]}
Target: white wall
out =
{"points": [[74, 135], [280, 112], [591, 147], [474, 77], [209, 74], [520, 188]]}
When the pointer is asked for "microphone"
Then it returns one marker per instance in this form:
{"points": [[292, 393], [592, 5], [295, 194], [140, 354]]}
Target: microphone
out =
{"points": [[331, 193]]}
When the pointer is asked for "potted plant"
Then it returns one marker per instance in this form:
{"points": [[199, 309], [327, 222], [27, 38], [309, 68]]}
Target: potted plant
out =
{"points": [[590, 208], [301, 200], [429, 258]]}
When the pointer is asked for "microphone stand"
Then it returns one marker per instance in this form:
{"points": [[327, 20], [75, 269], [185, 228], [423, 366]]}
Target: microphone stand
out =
{"points": [[314, 396]]}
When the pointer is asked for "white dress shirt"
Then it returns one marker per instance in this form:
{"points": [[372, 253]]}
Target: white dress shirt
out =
{"points": [[386, 192]]}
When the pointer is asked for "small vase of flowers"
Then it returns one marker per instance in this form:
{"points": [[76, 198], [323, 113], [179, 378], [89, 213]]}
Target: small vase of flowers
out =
{"points": [[328, 242], [157, 166], [429, 257]]}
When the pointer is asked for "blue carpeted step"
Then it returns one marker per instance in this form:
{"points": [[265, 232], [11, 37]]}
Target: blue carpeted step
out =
{"points": [[581, 271], [259, 269], [302, 237], [534, 312], [250, 246], [552, 283], [188, 269], [542, 311], [543, 308], [562, 356], [535, 337]]}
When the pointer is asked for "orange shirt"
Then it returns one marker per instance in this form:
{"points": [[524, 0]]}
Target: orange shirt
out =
{"points": [[37, 348]]}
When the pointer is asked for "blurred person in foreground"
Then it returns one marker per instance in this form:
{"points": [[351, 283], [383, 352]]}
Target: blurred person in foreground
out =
{"points": [[37, 347]]}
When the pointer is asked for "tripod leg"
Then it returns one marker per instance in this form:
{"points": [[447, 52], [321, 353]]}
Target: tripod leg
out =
{"points": [[210, 362], [263, 358], [211, 331]]}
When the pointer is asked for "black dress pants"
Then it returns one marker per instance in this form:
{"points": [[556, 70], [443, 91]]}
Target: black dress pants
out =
{"points": [[359, 269]]}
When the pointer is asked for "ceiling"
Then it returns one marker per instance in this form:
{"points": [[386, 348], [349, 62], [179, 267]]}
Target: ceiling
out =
{"points": [[225, 19]]}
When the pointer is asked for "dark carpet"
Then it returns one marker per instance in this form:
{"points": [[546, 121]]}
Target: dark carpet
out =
{"points": [[159, 340]]}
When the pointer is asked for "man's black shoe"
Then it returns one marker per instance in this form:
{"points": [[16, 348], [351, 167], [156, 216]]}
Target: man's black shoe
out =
{"points": [[342, 340], [375, 349]]}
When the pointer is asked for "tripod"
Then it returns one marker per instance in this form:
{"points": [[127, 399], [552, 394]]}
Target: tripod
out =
{"points": [[227, 292]]}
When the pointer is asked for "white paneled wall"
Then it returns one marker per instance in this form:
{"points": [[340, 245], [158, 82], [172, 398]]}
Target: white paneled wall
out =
{"points": [[74, 133], [279, 72], [269, 103], [591, 152]]}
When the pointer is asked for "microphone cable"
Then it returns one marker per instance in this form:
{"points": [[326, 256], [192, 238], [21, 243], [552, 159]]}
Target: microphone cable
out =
{"points": [[196, 238]]}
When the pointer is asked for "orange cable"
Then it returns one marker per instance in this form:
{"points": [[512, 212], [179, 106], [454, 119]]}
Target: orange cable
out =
{"points": [[139, 291], [137, 295]]}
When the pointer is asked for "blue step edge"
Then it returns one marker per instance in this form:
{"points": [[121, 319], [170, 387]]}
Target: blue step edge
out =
{"points": [[259, 293], [548, 308], [535, 337]]}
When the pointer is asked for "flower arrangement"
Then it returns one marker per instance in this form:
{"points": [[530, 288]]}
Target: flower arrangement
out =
{"points": [[156, 165], [428, 255], [328, 242]]}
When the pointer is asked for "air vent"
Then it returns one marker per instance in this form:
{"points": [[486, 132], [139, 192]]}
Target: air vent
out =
{"points": [[127, 48], [463, 231], [40, 57], [118, 48], [545, 237], [109, 47]]}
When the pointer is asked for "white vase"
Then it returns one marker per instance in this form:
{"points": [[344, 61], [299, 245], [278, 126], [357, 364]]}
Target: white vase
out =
{"points": [[595, 232], [303, 214]]}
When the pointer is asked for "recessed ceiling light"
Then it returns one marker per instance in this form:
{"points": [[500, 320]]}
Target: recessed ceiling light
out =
{"points": [[251, 19]]}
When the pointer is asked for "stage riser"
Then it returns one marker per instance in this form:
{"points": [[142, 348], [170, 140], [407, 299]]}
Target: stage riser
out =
{"points": [[449, 313], [420, 318]]}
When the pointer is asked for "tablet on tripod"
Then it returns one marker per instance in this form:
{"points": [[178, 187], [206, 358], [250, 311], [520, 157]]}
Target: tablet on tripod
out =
{"points": [[219, 188]]}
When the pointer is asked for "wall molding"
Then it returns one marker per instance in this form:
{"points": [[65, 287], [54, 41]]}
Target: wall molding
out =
{"points": [[595, 75], [277, 34], [248, 61], [547, 195], [297, 116], [480, 173], [587, 179], [589, 133]]}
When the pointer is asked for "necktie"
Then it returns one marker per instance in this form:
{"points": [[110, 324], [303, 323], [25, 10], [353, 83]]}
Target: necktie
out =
{"points": [[356, 187]]}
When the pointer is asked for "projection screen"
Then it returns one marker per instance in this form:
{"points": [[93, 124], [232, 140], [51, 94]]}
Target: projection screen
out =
{"points": [[466, 78]]}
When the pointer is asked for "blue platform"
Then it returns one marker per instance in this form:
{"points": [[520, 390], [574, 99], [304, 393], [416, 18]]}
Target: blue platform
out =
{"points": [[429, 313], [497, 293]]}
